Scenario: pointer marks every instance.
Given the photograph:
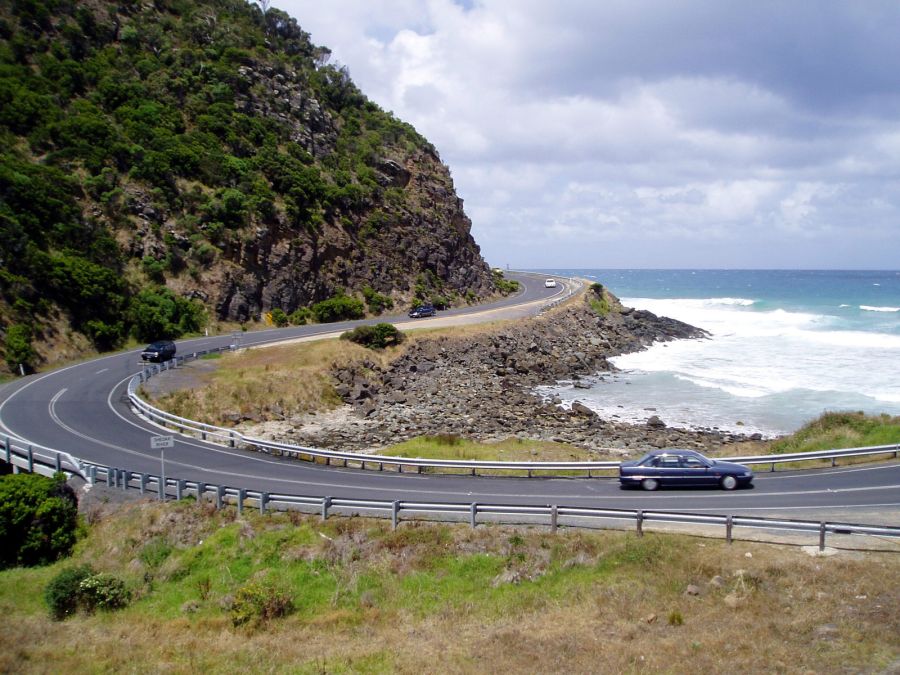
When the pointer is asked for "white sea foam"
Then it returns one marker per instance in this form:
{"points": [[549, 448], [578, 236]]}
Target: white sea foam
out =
{"points": [[869, 308], [783, 367]]}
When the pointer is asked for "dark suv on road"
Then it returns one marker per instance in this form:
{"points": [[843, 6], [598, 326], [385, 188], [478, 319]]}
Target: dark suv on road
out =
{"points": [[159, 351], [422, 311]]}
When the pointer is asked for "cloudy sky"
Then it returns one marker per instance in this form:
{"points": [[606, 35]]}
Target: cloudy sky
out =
{"points": [[645, 133]]}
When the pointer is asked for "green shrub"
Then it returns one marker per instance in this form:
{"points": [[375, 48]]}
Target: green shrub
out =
{"points": [[440, 302], [38, 519], [503, 285], [258, 602], [338, 308], [300, 316], [104, 592], [157, 313], [376, 301], [379, 336], [63, 593], [597, 299], [19, 349], [279, 318]]}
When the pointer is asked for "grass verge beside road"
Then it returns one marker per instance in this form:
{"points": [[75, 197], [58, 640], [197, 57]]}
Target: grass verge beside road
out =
{"points": [[358, 597]]}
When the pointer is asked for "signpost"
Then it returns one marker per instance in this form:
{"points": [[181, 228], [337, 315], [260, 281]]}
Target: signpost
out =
{"points": [[159, 443]]}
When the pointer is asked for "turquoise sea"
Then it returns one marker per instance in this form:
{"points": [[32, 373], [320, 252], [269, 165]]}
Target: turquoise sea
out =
{"points": [[785, 346]]}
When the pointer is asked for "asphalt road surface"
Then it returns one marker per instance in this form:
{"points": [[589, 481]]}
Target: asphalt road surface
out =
{"points": [[83, 410]]}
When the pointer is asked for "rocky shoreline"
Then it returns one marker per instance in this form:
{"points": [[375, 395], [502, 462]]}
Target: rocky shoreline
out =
{"points": [[482, 387]]}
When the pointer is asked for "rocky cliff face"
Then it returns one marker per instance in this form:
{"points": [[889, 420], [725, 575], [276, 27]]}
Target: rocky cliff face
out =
{"points": [[206, 150]]}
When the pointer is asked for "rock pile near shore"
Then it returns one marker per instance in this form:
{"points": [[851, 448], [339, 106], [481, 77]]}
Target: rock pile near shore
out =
{"points": [[481, 386]]}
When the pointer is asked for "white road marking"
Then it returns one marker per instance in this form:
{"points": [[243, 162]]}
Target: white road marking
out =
{"points": [[102, 370]]}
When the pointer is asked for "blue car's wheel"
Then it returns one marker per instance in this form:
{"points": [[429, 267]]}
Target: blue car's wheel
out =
{"points": [[649, 484], [728, 482]]}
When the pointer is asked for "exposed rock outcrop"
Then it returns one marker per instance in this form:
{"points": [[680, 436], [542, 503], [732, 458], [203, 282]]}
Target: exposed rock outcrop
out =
{"points": [[482, 387]]}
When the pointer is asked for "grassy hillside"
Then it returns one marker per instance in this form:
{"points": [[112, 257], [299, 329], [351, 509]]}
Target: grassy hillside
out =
{"points": [[165, 162], [286, 592]]}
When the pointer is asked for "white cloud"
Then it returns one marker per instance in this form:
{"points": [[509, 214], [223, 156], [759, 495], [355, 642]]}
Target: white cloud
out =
{"points": [[665, 131]]}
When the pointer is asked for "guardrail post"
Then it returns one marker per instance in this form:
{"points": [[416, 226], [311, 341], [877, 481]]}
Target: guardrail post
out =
{"points": [[529, 473], [263, 498], [202, 435], [143, 483], [773, 467], [92, 472], [30, 460], [58, 463], [242, 495], [554, 515], [219, 491], [201, 489], [473, 514], [381, 466], [395, 514], [640, 523], [179, 489], [729, 522], [9, 450], [834, 461], [161, 484], [231, 441], [326, 504], [109, 477], [822, 536]]}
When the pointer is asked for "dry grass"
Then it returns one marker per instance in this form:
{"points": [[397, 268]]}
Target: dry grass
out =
{"points": [[448, 599], [272, 383]]}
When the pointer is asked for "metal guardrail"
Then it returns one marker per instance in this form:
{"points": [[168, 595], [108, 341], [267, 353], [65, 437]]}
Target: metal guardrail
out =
{"points": [[39, 459], [232, 438], [474, 513], [47, 461]]}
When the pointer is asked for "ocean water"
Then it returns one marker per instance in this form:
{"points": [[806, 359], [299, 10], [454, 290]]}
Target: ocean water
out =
{"points": [[785, 346]]}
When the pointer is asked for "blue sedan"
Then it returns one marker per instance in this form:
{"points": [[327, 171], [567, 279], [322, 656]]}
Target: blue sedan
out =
{"points": [[682, 467]]}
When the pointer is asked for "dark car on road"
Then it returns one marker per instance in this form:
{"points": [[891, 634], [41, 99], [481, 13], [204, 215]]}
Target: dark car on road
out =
{"points": [[422, 311], [159, 351], [682, 467]]}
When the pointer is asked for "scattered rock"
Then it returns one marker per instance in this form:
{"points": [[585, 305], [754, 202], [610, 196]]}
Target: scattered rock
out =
{"points": [[692, 589], [655, 423]]}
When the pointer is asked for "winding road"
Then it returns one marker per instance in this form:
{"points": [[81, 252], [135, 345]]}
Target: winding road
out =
{"points": [[83, 410]]}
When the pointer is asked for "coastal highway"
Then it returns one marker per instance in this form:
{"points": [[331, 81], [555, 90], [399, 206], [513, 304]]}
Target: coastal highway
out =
{"points": [[83, 410]]}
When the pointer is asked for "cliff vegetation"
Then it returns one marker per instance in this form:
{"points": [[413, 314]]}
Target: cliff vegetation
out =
{"points": [[168, 164]]}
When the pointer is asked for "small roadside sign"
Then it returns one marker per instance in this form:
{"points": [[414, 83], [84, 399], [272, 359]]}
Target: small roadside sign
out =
{"points": [[160, 442]]}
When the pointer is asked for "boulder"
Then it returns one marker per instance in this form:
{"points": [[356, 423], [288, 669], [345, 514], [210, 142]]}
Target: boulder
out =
{"points": [[655, 423]]}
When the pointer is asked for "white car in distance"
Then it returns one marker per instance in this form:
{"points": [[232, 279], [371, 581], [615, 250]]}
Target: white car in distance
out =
{"points": [[550, 283]]}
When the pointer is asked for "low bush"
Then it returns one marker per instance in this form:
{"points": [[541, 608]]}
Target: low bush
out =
{"points": [[279, 318], [104, 592], [19, 350], [379, 336], [338, 308], [504, 285], [259, 602], [597, 299], [38, 519], [376, 301], [63, 593], [81, 588], [299, 317]]}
